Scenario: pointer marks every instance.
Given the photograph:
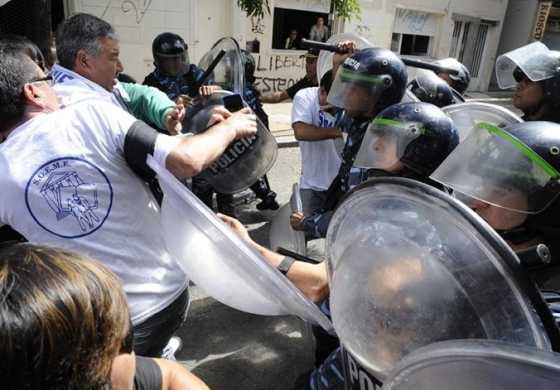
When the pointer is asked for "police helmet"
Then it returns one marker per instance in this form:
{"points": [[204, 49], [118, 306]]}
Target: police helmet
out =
{"points": [[416, 135], [369, 80], [516, 168], [169, 45], [459, 82], [429, 88], [537, 63]]}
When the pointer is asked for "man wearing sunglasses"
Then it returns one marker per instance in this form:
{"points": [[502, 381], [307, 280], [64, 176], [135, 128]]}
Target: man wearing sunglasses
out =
{"points": [[75, 178]]}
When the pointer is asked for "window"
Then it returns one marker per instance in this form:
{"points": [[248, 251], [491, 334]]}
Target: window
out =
{"points": [[418, 45], [291, 25]]}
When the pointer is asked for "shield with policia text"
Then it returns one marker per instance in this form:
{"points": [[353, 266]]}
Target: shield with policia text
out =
{"points": [[247, 159]]}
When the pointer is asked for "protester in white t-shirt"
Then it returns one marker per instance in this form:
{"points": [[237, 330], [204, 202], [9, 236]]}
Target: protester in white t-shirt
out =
{"points": [[314, 129], [73, 178]]}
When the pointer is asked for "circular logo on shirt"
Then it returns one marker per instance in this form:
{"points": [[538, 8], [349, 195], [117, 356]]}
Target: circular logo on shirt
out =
{"points": [[69, 197]]}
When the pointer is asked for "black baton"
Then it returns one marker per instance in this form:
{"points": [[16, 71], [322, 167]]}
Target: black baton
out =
{"points": [[307, 44], [206, 74]]}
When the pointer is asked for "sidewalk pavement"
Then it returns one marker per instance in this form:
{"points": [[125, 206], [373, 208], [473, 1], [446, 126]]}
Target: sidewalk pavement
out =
{"points": [[279, 114]]}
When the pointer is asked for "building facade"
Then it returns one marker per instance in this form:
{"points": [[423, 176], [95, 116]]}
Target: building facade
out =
{"points": [[468, 30]]}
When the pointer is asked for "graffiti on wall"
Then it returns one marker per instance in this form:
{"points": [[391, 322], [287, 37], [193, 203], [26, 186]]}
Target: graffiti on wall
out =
{"points": [[138, 7], [416, 21], [257, 25], [278, 72]]}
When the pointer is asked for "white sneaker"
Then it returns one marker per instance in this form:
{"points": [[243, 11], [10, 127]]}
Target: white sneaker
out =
{"points": [[173, 345]]}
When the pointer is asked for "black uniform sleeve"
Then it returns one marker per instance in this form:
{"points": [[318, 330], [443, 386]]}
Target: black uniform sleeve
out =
{"points": [[295, 88], [148, 374], [140, 141], [301, 84]]}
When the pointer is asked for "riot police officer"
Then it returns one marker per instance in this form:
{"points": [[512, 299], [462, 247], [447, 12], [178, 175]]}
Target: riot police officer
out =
{"points": [[511, 178], [429, 88], [173, 73], [366, 82], [459, 82], [535, 72], [251, 96]]}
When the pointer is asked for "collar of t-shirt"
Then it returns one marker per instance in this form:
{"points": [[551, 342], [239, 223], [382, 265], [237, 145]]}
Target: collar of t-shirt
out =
{"points": [[71, 88]]}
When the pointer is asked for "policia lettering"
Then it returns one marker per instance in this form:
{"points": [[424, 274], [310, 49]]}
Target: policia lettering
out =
{"points": [[356, 378], [232, 154]]}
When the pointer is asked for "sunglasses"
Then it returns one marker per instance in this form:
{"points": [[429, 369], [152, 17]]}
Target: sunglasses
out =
{"points": [[518, 75], [48, 79]]}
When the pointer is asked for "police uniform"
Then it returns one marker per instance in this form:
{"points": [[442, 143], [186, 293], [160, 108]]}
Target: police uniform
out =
{"points": [[315, 225], [174, 86]]}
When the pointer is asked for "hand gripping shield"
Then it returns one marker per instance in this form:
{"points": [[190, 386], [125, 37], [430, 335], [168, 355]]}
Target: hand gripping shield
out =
{"points": [[220, 262]]}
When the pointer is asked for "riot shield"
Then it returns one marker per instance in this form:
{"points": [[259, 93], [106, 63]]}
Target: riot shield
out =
{"points": [[229, 74], [220, 262], [409, 266], [476, 364], [281, 233], [467, 115], [245, 160], [324, 62]]}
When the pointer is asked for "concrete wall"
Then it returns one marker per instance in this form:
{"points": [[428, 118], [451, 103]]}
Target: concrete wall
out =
{"points": [[138, 22], [520, 17]]}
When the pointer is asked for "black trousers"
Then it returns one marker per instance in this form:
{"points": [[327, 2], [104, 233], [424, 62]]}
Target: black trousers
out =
{"points": [[152, 335]]}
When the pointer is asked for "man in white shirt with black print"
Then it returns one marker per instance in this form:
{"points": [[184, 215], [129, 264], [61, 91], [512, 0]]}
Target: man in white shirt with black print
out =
{"points": [[314, 129], [72, 178]]}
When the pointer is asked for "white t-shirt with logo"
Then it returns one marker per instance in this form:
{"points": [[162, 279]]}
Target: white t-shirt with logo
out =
{"points": [[319, 160], [65, 183]]}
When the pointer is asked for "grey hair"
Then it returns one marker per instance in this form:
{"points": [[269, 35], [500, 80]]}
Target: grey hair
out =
{"points": [[16, 69], [81, 31]]}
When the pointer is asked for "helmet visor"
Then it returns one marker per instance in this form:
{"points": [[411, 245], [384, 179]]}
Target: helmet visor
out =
{"points": [[357, 92], [325, 60], [494, 167], [535, 60], [385, 142]]}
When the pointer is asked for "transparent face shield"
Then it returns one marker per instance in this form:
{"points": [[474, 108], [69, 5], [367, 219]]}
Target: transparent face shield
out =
{"points": [[466, 116], [385, 143], [325, 60], [357, 92], [494, 167], [452, 63], [535, 60], [431, 89], [172, 64]]}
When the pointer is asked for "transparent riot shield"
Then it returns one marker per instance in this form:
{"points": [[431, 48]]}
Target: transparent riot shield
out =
{"points": [[229, 74], [281, 233], [476, 364], [220, 262], [409, 266], [467, 116], [245, 160]]}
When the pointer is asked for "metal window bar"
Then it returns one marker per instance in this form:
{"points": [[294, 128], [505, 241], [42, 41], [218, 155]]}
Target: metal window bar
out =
{"points": [[455, 38], [464, 39], [479, 48]]}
